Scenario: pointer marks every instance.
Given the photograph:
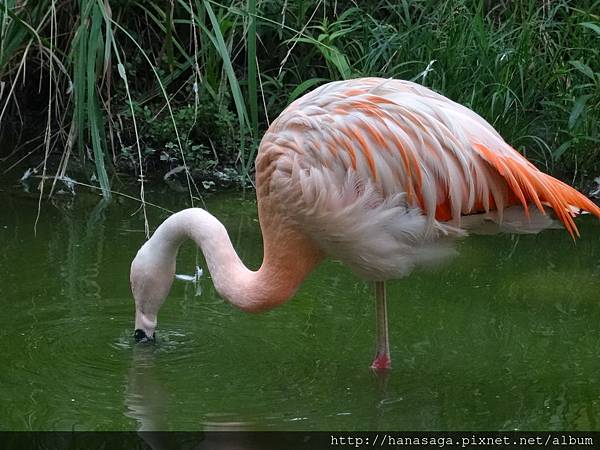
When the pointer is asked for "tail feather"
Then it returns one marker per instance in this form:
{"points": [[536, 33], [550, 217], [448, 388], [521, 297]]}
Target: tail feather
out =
{"points": [[530, 185]]}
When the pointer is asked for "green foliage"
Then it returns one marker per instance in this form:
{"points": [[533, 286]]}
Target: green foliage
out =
{"points": [[204, 79], [208, 131]]}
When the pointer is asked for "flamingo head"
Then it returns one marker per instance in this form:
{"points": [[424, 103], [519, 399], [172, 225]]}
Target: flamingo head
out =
{"points": [[151, 278]]}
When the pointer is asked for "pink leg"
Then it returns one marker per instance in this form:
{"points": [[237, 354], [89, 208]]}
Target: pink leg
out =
{"points": [[382, 359]]}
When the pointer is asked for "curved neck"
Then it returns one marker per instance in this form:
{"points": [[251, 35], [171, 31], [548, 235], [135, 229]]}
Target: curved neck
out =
{"points": [[288, 257]]}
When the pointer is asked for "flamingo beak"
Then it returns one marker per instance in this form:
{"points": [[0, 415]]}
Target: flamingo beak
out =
{"points": [[141, 337]]}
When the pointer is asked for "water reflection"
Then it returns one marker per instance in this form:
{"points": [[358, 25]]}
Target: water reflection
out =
{"points": [[145, 397], [146, 401], [78, 250]]}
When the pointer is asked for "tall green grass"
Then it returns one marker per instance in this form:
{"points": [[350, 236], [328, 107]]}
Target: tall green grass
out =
{"points": [[530, 67], [92, 34]]}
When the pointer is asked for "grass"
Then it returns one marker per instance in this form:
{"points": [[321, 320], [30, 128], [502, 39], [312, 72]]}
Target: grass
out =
{"points": [[209, 76]]}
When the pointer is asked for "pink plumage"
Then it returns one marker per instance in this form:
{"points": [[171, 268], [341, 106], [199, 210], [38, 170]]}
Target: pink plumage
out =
{"points": [[381, 174]]}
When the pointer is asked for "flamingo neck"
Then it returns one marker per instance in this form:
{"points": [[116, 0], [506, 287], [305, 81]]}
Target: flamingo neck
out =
{"points": [[288, 258]]}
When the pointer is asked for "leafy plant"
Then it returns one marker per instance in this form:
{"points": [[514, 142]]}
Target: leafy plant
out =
{"points": [[147, 87]]}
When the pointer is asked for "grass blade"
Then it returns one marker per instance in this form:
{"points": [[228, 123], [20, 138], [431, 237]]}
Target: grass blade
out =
{"points": [[94, 113], [252, 73]]}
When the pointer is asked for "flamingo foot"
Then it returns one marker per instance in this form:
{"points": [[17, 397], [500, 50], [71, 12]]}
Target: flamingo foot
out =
{"points": [[382, 362]]}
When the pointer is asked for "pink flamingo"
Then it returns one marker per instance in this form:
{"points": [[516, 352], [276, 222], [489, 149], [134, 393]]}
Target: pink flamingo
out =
{"points": [[381, 174]]}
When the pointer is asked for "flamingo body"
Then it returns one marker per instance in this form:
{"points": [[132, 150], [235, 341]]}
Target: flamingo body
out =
{"points": [[383, 175]]}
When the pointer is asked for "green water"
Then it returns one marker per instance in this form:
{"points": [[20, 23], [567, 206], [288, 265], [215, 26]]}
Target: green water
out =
{"points": [[507, 337]]}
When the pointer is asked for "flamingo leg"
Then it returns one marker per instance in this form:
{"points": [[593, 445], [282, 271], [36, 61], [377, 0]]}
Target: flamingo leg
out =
{"points": [[382, 359]]}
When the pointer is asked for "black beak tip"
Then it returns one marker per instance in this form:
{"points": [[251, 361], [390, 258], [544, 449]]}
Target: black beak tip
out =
{"points": [[141, 337]]}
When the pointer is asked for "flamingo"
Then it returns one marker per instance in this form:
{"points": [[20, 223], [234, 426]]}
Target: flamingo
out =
{"points": [[381, 174]]}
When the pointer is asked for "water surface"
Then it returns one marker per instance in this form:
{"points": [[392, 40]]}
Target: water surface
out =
{"points": [[506, 337]]}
